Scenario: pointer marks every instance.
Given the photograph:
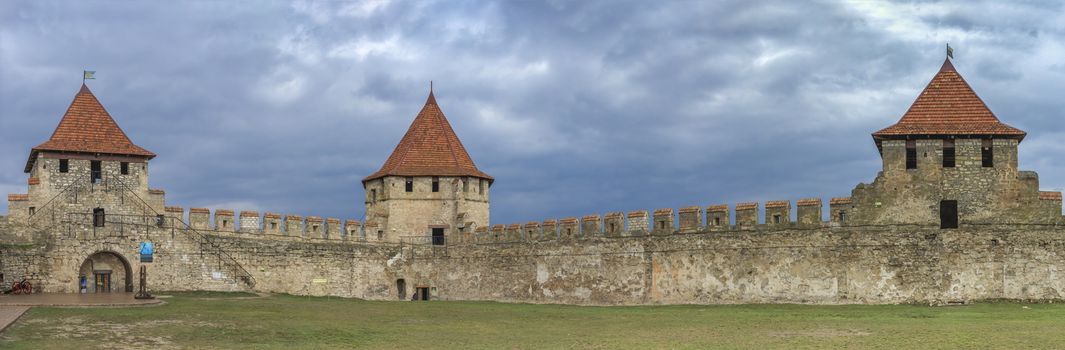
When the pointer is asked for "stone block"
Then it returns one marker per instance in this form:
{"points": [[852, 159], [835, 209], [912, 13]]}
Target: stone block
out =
{"points": [[808, 211], [691, 219], [747, 214], [638, 223], [590, 226]]}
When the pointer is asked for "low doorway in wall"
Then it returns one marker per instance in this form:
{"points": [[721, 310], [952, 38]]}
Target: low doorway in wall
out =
{"points": [[401, 286], [105, 272], [422, 293], [948, 214]]}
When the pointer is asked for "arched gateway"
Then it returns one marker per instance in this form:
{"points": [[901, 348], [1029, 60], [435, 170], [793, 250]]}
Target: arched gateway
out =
{"points": [[104, 272]]}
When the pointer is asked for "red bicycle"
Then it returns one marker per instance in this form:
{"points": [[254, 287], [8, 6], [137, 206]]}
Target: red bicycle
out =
{"points": [[22, 287]]}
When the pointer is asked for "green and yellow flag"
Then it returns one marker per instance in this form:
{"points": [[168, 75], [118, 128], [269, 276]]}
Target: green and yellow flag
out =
{"points": [[88, 74]]}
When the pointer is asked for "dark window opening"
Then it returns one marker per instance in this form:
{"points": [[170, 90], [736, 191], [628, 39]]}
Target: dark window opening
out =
{"points": [[717, 221], [314, 228], [612, 227], [98, 217], [373, 195], [842, 215], [96, 171], [987, 154], [33, 210], [401, 287], [380, 235], [911, 154], [64, 165], [225, 223], [436, 184], [465, 185], [409, 185], [124, 168], [160, 220], [948, 214], [948, 153], [569, 231], [273, 225], [776, 219], [438, 236]]}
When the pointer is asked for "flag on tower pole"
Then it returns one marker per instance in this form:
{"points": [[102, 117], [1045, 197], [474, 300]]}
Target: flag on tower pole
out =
{"points": [[950, 51], [88, 74]]}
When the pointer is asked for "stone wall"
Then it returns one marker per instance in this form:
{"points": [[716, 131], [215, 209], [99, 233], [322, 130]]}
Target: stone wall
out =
{"points": [[762, 264]]}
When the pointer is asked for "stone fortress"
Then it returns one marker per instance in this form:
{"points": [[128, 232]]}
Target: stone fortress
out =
{"points": [[950, 218]]}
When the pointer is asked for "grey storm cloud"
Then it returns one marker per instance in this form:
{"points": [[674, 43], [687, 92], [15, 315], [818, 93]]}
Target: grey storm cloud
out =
{"points": [[576, 107]]}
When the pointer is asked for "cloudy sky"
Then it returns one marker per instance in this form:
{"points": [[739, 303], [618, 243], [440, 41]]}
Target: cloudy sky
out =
{"points": [[575, 107]]}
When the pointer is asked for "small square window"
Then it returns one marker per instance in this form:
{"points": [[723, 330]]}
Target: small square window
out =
{"points": [[436, 184], [64, 165], [409, 185], [125, 168]]}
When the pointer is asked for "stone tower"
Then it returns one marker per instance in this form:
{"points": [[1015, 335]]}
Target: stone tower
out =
{"points": [[948, 161], [428, 187], [88, 175]]}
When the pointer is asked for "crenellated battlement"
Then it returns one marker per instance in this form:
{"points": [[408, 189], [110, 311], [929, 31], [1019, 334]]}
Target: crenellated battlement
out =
{"points": [[749, 216], [270, 224]]}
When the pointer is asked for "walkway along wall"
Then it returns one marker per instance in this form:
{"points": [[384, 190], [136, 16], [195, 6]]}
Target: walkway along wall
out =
{"points": [[765, 264]]}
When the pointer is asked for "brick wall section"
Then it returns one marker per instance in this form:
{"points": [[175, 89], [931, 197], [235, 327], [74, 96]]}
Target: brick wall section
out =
{"points": [[614, 224], [591, 226], [663, 222], [808, 211], [223, 220], [200, 218], [747, 214], [638, 223], [549, 230], [717, 217], [778, 213], [841, 209], [249, 222], [691, 219], [569, 229], [314, 228], [293, 225], [532, 231]]}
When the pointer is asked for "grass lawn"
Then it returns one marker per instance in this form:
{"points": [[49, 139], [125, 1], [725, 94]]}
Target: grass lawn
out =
{"points": [[227, 321]]}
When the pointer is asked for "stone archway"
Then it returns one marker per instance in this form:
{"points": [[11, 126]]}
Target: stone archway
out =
{"points": [[105, 271]]}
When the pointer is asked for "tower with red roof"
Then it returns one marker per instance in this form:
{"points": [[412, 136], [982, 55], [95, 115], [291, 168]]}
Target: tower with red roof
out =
{"points": [[949, 161], [429, 188]]}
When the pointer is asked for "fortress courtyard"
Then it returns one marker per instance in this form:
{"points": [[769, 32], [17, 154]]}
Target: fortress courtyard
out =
{"points": [[207, 320]]}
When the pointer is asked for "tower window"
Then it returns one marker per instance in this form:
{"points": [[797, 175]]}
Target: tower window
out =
{"points": [[911, 154], [776, 218], [373, 195], [409, 185], [96, 171], [64, 165], [125, 168], [480, 186], [465, 185], [842, 215], [33, 210], [98, 217], [717, 221], [987, 154], [436, 184], [948, 153]]}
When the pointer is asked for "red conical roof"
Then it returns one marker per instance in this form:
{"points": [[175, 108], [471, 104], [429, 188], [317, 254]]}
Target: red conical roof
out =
{"points": [[948, 106], [429, 148], [88, 128]]}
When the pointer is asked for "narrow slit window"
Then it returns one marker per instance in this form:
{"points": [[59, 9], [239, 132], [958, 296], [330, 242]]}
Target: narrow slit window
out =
{"points": [[717, 221], [98, 217], [842, 216], [987, 154], [373, 195], [465, 185], [911, 154], [436, 184], [480, 186], [124, 168], [64, 165], [409, 185], [948, 153]]}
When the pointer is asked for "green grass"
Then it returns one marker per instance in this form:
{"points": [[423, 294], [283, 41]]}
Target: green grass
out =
{"points": [[228, 321]]}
